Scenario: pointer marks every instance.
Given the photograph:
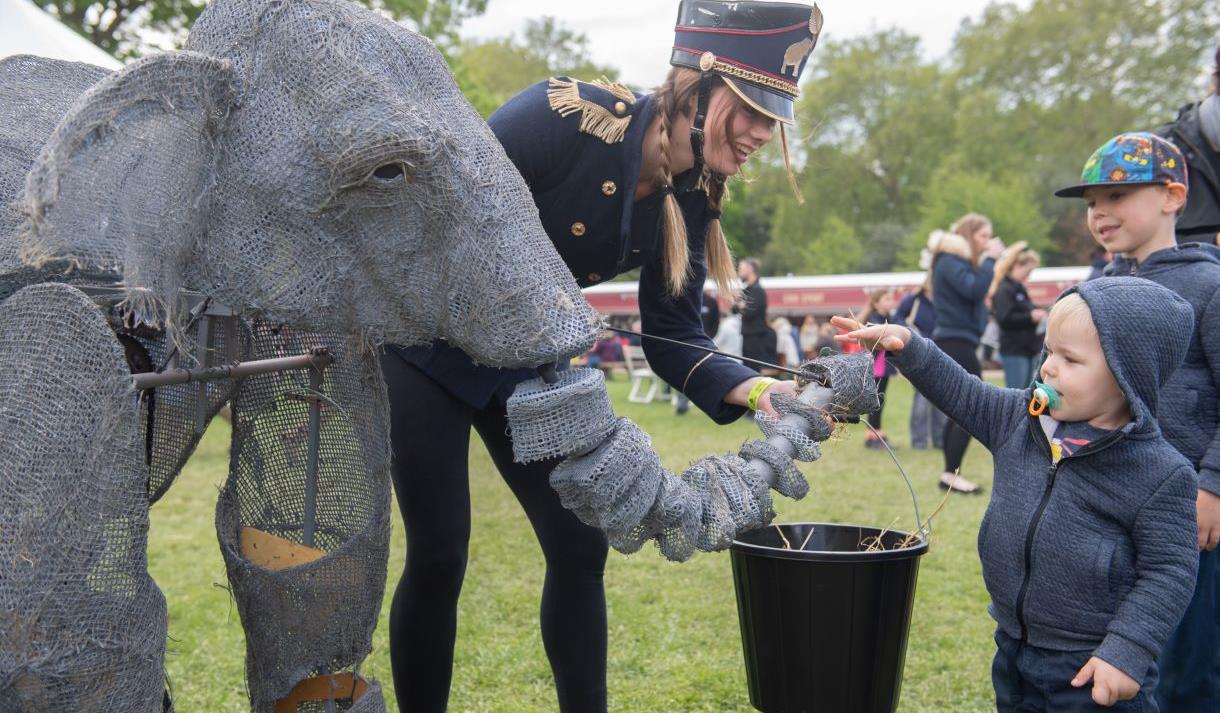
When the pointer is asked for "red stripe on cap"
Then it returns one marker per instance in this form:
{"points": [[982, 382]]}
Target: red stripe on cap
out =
{"points": [[713, 30], [743, 65]]}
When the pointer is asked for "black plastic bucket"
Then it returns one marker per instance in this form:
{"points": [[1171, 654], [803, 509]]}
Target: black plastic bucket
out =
{"points": [[824, 629]]}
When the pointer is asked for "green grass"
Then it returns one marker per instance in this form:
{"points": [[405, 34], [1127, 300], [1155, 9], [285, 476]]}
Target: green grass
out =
{"points": [[674, 637]]}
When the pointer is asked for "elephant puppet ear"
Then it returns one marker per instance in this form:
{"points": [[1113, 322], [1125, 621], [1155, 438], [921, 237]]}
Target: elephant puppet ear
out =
{"points": [[124, 182]]}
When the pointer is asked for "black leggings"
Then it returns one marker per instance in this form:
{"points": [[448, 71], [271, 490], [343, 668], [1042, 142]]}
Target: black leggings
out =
{"points": [[430, 432], [956, 438], [874, 418]]}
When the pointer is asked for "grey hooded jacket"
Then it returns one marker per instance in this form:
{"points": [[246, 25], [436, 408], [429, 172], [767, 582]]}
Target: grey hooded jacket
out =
{"points": [[1188, 414], [1097, 552]]}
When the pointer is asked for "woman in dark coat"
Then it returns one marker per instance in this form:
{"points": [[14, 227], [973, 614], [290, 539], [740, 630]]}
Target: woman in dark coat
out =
{"points": [[622, 181], [962, 268], [1018, 318]]}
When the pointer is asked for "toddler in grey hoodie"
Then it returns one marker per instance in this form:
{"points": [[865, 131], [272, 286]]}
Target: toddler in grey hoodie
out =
{"points": [[1089, 542]]}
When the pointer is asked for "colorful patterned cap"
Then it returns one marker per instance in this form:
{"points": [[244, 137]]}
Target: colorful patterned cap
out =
{"points": [[758, 48], [1130, 159]]}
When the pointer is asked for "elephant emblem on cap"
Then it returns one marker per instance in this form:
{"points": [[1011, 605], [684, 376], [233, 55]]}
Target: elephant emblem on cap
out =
{"points": [[798, 51]]}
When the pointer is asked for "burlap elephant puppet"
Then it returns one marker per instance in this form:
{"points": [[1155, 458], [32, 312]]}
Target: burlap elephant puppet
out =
{"points": [[313, 167]]}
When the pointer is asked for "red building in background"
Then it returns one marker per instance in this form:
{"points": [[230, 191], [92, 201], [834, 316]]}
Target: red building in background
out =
{"points": [[825, 295]]}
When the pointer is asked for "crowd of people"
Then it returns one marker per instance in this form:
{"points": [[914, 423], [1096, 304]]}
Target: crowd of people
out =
{"points": [[1121, 425], [743, 327], [626, 182], [1121, 377]]}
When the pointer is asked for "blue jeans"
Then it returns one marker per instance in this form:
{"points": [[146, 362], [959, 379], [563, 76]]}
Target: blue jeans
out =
{"points": [[926, 421], [1190, 664], [1028, 679], [1018, 370]]}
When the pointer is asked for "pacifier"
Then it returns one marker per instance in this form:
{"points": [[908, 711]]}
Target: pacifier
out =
{"points": [[1044, 397]]}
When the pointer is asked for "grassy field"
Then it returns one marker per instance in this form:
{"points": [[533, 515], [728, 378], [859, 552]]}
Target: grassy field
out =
{"points": [[674, 637]]}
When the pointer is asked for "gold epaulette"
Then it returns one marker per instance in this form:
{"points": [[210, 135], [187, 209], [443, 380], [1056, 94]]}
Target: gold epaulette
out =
{"points": [[595, 119]]}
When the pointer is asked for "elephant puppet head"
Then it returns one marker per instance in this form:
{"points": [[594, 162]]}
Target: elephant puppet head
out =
{"points": [[313, 163]]}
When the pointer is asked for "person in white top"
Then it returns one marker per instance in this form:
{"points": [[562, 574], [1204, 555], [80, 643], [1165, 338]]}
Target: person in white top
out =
{"points": [[785, 342]]}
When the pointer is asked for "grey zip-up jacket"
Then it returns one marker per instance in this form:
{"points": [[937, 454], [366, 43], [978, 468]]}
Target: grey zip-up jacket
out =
{"points": [[1097, 552], [1188, 414]]}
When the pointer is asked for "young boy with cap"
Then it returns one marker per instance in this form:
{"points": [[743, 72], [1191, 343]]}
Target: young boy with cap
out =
{"points": [[1135, 186], [1088, 543]]}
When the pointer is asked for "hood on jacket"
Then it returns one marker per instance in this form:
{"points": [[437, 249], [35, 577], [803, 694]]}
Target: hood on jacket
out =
{"points": [[943, 241], [1180, 253], [1144, 331]]}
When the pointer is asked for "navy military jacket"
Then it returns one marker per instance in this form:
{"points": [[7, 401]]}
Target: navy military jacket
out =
{"points": [[578, 146]]}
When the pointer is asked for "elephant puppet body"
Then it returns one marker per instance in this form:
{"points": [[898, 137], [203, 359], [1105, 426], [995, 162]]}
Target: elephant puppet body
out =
{"points": [[312, 166]]}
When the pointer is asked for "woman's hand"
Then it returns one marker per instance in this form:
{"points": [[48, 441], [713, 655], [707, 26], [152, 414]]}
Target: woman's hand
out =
{"points": [[890, 337], [740, 394], [779, 387], [1037, 315], [994, 249], [1109, 684]]}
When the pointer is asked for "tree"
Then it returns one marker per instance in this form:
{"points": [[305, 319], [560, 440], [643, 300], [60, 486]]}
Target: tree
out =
{"points": [[1043, 87], [1011, 206], [491, 71], [795, 249], [437, 19], [1011, 114], [877, 118], [121, 26], [1139, 59], [836, 249], [755, 196], [116, 25], [884, 244]]}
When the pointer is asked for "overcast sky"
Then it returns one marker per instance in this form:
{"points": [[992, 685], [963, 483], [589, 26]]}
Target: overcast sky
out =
{"points": [[635, 35]]}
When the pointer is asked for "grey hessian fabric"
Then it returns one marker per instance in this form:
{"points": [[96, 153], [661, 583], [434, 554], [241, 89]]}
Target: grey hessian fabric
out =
{"points": [[82, 625], [612, 478]]}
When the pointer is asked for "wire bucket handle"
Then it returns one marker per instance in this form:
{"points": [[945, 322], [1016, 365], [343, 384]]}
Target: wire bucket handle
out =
{"points": [[822, 398]]}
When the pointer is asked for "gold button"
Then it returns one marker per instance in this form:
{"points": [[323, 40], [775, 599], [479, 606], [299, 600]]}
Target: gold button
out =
{"points": [[620, 108], [594, 277], [578, 229], [609, 188]]}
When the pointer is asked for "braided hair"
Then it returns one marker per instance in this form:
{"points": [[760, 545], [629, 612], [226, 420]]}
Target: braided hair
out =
{"points": [[673, 98]]}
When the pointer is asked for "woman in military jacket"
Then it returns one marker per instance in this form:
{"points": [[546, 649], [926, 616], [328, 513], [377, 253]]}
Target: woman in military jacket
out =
{"points": [[621, 181]]}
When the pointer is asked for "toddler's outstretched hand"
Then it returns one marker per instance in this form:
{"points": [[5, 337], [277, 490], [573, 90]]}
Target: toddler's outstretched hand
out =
{"points": [[890, 337], [1109, 684]]}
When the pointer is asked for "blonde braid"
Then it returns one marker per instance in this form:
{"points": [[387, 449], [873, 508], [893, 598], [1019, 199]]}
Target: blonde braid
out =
{"points": [[719, 257], [675, 251]]}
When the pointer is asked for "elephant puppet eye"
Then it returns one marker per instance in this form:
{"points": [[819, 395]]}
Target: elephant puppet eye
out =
{"points": [[388, 172]]}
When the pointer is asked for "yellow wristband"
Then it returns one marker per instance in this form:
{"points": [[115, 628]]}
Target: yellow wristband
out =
{"points": [[757, 392]]}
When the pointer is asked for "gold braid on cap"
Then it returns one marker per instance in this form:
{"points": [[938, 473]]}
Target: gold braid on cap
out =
{"points": [[757, 78], [595, 119]]}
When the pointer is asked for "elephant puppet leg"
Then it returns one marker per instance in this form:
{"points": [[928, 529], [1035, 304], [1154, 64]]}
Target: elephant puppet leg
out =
{"points": [[82, 625], [309, 595]]}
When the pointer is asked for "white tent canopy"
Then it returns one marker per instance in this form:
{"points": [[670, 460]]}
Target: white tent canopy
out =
{"points": [[26, 29]]}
